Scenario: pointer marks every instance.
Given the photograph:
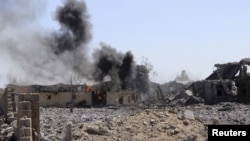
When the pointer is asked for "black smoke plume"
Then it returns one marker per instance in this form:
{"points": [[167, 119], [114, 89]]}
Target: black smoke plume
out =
{"points": [[75, 27], [41, 56], [69, 44], [110, 62]]}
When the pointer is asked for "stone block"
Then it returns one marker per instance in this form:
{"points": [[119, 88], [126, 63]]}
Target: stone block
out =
{"points": [[13, 97], [35, 105], [24, 97], [23, 113], [9, 95], [26, 139], [27, 97], [10, 109], [35, 114], [9, 99], [15, 115], [21, 97], [35, 97], [25, 132], [26, 122], [24, 105], [36, 125]]}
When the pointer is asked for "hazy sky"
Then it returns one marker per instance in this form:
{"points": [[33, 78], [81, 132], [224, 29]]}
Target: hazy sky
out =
{"points": [[173, 34]]}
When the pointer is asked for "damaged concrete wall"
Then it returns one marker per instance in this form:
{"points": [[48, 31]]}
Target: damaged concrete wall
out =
{"points": [[113, 98], [128, 98], [244, 91], [58, 95], [28, 117], [24, 109], [63, 98], [120, 98]]}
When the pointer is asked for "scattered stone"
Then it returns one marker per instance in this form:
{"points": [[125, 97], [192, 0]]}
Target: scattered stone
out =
{"points": [[191, 137], [180, 117], [186, 122], [68, 132], [128, 128], [216, 121], [96, 130], [92, 130], [173, 132], [4, 125], [152, 121], [6, 133], [176, 131], [127, 124], [171, 110], [188, 114], [81, 126]]}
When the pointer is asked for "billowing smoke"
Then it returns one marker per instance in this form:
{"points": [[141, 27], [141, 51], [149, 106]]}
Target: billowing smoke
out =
{"points": [[75, 27], [36, 55], [121, 69], [127, 69], [118, 66], [142, 79], [69, 44]]}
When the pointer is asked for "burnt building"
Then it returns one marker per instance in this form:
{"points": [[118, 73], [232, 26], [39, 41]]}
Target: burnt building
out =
{"points": [[228, 82]]}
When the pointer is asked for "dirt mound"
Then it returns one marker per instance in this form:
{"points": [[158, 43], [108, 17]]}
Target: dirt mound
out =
{"points": [[149, 124]]}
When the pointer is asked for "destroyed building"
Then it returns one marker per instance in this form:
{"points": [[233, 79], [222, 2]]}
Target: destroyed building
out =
{"points": [[62, 95], [228, 82]]}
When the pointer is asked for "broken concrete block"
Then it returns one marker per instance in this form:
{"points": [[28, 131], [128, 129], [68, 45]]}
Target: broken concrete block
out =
{"points": [[35, 105], [26, 122], [35, 114], [24, 105], [188, 114], [26, 139], [23, 113], [69, 131], [25, 132], [34, 97]]}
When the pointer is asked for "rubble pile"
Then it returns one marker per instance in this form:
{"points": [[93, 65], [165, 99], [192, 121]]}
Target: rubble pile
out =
{"points": [[224, 113], [149, 124], [6, 132], [119, 124], [53, 120], [186, 123]]}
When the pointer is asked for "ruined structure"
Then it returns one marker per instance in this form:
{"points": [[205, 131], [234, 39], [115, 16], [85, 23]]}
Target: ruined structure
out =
{"points": [[63, 95], [21, 104], [228, 82], [22, 110]]}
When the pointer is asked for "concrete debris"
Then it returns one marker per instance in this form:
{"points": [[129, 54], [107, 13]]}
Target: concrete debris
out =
{"points": [[191, 137], [68, 132], [6, 132], [216, 121], [136, 124], [188, 114], [97, 130], [228, 83]]}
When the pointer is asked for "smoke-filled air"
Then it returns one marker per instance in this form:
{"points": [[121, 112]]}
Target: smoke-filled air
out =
{"points": [[42, 56]]}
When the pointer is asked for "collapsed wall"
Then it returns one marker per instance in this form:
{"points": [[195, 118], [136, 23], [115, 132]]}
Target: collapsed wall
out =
{"points": [[229, 82], [22, 111]]}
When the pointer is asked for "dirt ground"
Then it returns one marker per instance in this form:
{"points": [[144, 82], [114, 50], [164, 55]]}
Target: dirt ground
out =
{"points": [[146, 125], [178, 123]]}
